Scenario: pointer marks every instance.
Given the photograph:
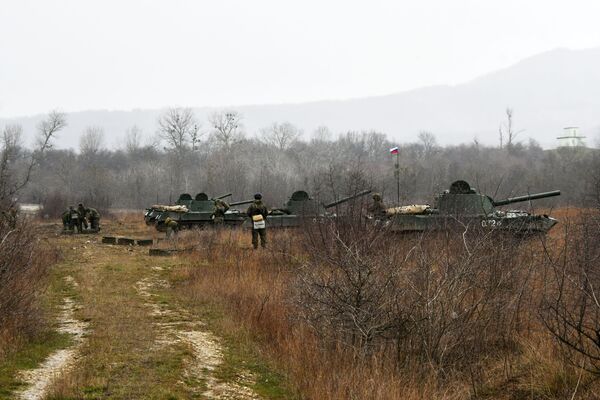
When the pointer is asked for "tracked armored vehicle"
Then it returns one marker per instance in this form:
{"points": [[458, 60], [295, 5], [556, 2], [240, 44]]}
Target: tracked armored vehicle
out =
{"points": [[462, 206], [301, 207], [198, 212]]}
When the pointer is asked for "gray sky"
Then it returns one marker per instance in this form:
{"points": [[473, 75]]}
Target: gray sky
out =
{"points": [[77, 54]]}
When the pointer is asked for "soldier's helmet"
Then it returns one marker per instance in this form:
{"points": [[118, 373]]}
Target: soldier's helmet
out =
{"points": [[80, 205], [258, 196], [376, 196]]}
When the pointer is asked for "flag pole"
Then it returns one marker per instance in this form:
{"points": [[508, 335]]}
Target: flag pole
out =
{"points": [[397, 173]]}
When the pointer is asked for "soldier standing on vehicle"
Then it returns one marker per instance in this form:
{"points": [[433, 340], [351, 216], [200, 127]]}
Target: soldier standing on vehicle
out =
{"points": [[94, 217], [219, 211], [377, 209], [258, 216], [82, 223]]}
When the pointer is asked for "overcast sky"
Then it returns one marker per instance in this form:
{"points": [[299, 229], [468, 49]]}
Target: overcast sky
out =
{"points": [[79, 55]]}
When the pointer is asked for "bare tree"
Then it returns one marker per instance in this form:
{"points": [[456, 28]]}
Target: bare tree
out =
{"points": [[227, 127], [280, 135], [429, 142], [133, 138], [507, 131], [91, 140], [322, 134], [180, 129], [10, 182]]}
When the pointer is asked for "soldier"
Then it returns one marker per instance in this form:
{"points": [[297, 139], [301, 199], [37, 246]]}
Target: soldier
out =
{"points": [[66, 219], [172, 228], [219, 211], [377, 209], [94, 217], [73, 219], [258, 215], [81, 223]]}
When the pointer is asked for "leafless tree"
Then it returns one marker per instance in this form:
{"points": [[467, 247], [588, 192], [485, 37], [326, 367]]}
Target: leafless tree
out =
{"points": [[507, 131], [322, 134], [428, 141], [180, 129], [280, 135], [10, 181], [227, 127], [91, 140], [133, 139]]}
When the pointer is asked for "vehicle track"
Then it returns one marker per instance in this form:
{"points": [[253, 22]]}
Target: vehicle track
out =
{"points": [[177, 325], [38, 380]]}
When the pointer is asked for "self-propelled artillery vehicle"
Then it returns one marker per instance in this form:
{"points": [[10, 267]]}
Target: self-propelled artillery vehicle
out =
{"points": [[462, 206], [199, 212], [301, 207]]}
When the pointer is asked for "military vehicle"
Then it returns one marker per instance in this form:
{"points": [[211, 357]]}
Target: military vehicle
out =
{"points": [[199, 212], [183, 204], [301, 206], [462, 206]]}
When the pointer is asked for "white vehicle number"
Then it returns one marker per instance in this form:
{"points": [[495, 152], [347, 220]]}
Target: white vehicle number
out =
{"points": [[490, 223]]}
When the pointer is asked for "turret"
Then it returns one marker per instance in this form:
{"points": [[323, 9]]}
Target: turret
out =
{"points": [[461, 199]]}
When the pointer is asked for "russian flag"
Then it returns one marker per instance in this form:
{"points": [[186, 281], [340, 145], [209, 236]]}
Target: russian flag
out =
{"points": [[394, 150]]}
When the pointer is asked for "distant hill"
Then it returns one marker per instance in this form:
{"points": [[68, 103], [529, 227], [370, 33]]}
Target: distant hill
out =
{"points": [[547, 92]]}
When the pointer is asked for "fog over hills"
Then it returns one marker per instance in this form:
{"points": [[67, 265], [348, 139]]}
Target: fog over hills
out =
{"points": [[547, 92]]}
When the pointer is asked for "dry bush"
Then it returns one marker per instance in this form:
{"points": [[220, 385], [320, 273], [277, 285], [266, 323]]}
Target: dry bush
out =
{"points": [[571, 301], [441, 300], [257, 290], [349, 311], [24, 265]]}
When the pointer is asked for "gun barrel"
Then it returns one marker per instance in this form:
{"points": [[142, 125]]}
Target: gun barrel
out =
{"points": [[239, 203], [345, 199], [518, 199], [224, 196]]}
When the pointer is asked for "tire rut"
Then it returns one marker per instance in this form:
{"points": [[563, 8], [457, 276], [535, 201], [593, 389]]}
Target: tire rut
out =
{"points": [[178, 325], [40, 379]]}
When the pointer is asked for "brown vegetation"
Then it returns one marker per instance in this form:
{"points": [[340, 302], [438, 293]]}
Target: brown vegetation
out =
{"points": [[24, 265], [350, 312]]}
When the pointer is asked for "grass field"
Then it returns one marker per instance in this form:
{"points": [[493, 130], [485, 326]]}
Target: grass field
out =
{"points": [[221, 320]]}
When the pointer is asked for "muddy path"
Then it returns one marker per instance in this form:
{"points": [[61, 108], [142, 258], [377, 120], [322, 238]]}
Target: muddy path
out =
{"points": [[39, 380]]}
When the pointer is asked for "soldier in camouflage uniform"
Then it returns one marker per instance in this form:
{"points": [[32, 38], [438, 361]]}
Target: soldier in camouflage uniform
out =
{"points": [[66, 219], [81, 223], [258, 216], [219, 211], [172, 228], [94, 217], [72, 218], [377, 209]]}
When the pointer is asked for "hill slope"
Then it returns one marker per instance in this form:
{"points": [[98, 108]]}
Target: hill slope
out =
{"points": [[547, 92]]}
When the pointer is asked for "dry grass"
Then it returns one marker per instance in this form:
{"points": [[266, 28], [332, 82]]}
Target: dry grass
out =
{"points": [[118, 357], [24, 266], [257, 291], [253, 287]]}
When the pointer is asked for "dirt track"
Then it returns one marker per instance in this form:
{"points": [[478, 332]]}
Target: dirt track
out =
{"points": [[125, 330]]}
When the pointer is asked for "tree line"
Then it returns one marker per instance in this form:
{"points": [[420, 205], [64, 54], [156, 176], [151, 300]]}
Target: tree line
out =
{"points": [[184, 157]]}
